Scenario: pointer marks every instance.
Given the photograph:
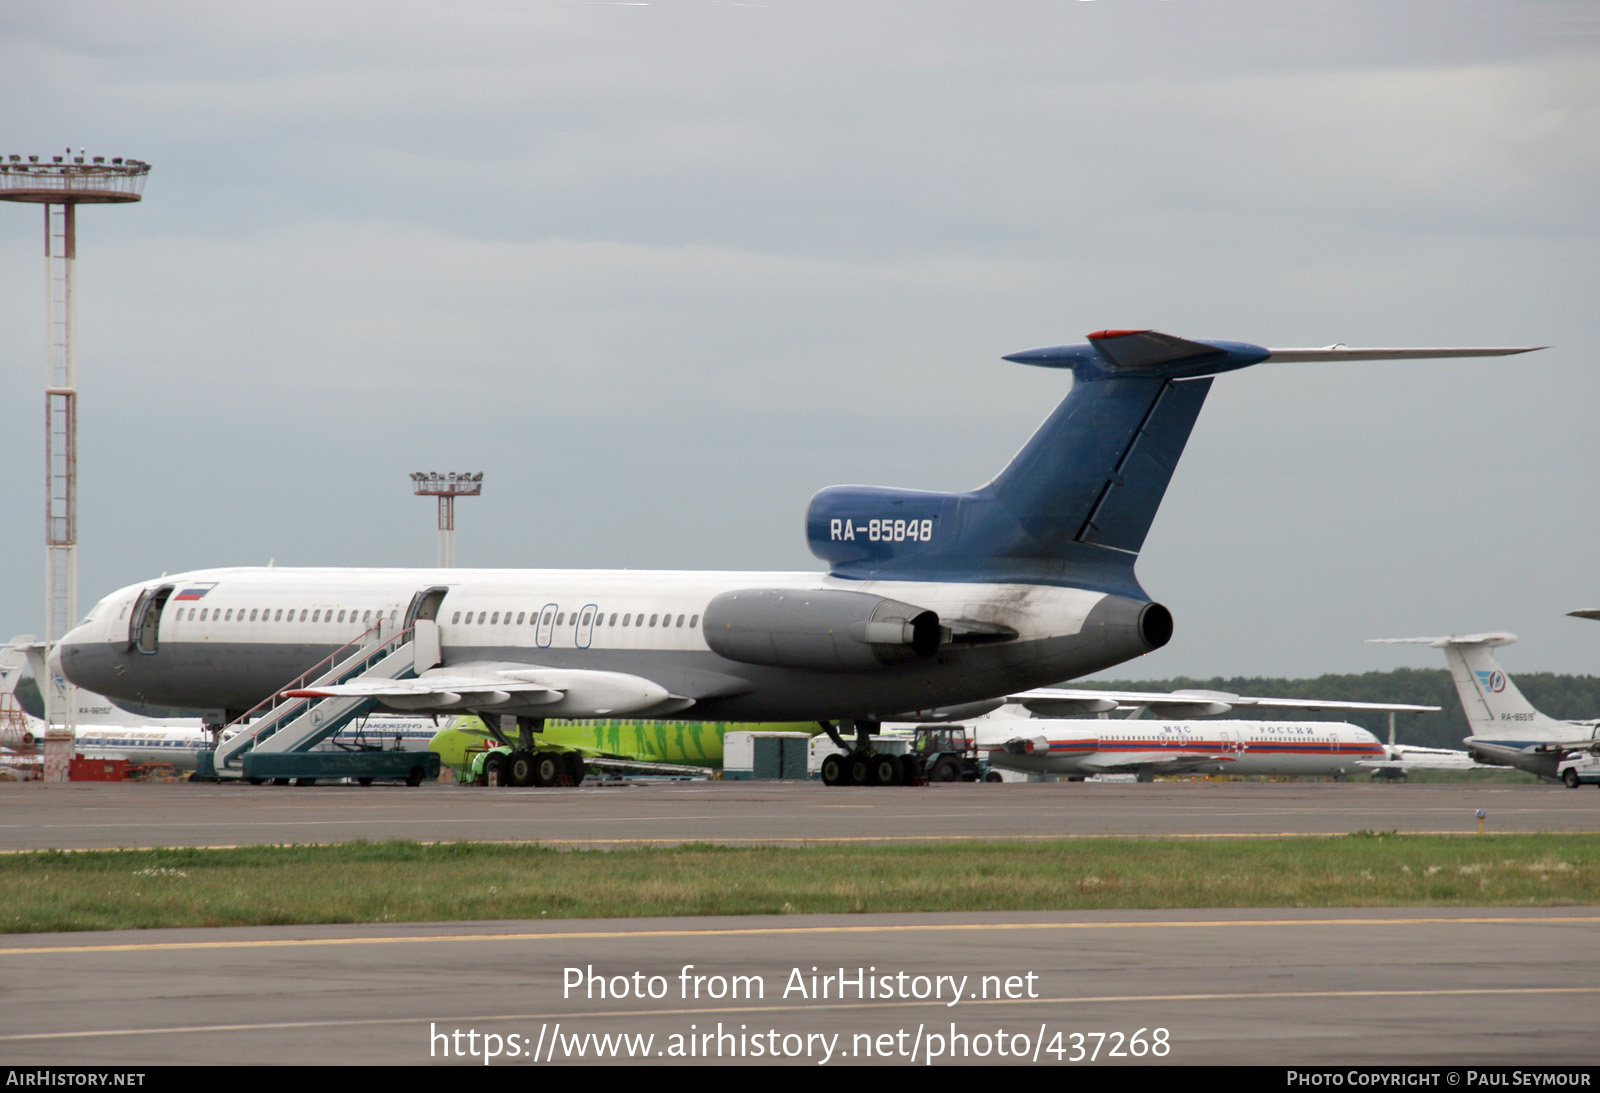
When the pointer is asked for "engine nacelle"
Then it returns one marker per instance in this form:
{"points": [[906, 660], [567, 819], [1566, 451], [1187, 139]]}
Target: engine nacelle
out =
{"points": [[808, 628]]}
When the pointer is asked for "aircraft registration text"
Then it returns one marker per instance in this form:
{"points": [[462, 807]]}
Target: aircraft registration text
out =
{"points": [[882, 531]]}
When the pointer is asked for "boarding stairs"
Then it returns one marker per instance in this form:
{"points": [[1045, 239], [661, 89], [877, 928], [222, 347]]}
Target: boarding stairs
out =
{"points": [[281, 724]]}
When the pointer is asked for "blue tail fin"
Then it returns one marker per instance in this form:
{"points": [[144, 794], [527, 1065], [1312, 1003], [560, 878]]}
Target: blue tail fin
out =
{"points": [[1075, 504]]}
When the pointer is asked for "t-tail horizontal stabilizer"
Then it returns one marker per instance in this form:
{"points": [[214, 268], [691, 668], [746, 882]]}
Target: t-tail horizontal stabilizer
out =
{"points": [[1496, 710], [1074, 506]]}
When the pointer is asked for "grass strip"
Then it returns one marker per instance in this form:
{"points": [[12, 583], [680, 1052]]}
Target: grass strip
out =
{"points": [[411, 882]]}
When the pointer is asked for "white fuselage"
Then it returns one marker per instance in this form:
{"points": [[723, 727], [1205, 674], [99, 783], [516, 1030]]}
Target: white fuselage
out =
{"points": [[228, 638], [142, 747], [1082, 746]]}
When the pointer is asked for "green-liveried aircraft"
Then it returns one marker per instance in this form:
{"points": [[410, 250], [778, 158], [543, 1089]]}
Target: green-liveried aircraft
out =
{"points": [[468, 746]]}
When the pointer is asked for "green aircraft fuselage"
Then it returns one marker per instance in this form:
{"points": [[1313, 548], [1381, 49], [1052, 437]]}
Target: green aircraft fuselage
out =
{"points": [[689, 743]]}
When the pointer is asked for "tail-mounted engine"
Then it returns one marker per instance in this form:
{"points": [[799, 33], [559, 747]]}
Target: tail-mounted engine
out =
{"points": [[810, 628]]}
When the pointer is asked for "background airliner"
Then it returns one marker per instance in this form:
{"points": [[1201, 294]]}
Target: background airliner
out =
{"points": [[661, 743], [930, 599], [104, 730], [1016, 740], [1506, 730]]}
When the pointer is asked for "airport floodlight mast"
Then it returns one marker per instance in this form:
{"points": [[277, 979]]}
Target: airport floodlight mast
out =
{"points": [[61, 184], [447, 487]]}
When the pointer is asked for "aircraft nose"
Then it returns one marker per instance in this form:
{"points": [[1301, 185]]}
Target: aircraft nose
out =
{"points": [[66, 657]]}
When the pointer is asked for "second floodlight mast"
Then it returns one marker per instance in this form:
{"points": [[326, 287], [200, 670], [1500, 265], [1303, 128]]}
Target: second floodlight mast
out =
{"points": [[447, 487]]}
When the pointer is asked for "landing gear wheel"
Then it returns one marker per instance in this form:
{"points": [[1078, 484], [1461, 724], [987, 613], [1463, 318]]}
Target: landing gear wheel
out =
{"points": [[1570, 779], [575, 768], [547, 767], [520, 769], [859, 769], [833, 772], [494, 771], [885, 770], [993, 776], [945, 770]]}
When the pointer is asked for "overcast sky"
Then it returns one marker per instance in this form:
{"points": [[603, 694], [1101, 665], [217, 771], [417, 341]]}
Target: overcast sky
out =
{"points": [[662, 270]]}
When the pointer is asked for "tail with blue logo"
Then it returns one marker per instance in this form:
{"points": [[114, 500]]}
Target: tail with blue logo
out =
{"points": [[1495, 708], [1074, 506]]}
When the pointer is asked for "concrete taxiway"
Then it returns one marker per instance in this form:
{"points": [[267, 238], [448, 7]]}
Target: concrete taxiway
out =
{"points": [[89, 815], [1332, 987]]}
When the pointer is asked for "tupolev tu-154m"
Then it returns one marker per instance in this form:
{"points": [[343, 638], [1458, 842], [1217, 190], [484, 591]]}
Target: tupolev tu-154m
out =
{"points": [[930, 600]]}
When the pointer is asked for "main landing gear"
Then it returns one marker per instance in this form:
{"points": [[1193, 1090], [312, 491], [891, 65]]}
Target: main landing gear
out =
{"points": [[525, 766], [862, 766]]}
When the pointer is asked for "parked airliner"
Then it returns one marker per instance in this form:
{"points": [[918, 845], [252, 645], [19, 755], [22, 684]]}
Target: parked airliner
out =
{"points": [[1015, 740], [1506, 730], [1079, 746], [931, 599]]}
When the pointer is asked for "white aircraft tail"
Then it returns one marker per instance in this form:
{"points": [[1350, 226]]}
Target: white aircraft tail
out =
{"points": [[1490, 700], [93, 709], [17, 729], [13, 659]]}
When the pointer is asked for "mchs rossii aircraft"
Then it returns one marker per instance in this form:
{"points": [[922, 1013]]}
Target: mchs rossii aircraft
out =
{"points": [[1037, 733], [931, 600]]}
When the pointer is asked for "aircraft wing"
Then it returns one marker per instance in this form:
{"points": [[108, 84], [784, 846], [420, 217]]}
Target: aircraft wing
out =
{"points": [[1413, 757], [1061, 701], [564, 692], [1153, 762]]}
